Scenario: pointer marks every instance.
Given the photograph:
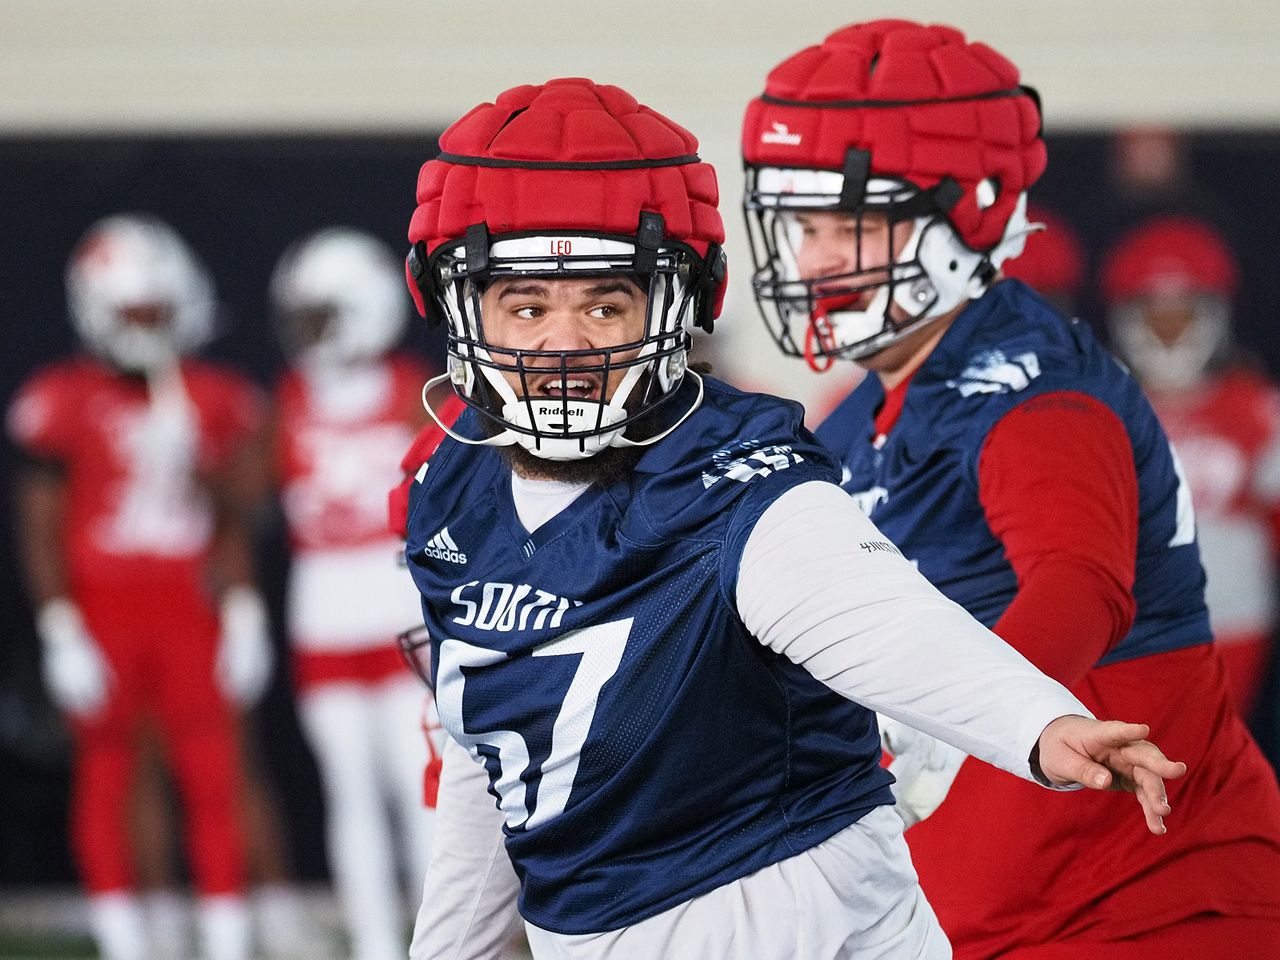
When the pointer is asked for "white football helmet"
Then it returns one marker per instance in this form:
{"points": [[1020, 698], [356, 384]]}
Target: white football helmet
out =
{"points": [[619, 195], [137, 295], [819, 318], [340, 299], [1169, 285], [885, 122]]}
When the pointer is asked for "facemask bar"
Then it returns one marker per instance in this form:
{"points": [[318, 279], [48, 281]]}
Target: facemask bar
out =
{"points": [[858, 312], [415, 650], [644, 373]]}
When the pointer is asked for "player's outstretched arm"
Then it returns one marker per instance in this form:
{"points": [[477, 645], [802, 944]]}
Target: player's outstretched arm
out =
{"points": [[468, 907], [1108, 755], [819, 584]]}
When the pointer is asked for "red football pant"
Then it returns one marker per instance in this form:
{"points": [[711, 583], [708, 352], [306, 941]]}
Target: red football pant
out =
{"points": [[1247, 657], [1199, 938], [163, 672]]}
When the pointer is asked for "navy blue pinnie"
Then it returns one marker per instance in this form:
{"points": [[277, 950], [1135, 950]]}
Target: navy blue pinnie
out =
{"points": [[920, 486], [642, 746]]}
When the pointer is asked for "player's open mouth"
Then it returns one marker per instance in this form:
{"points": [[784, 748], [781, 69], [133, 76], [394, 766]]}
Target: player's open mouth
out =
{"points": [[578, 387], [834, 302]]}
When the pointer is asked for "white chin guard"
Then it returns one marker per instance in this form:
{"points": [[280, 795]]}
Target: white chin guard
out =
{"points": [[552, 416]]}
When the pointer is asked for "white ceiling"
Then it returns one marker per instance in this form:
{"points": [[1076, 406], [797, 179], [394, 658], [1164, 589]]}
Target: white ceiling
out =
{"points": [[415, 64]]}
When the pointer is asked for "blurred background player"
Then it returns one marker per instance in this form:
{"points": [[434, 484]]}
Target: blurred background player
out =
{"points": [[132, 510], [1009, 456], [1052, 263], [1169, 286], [347, 411]]}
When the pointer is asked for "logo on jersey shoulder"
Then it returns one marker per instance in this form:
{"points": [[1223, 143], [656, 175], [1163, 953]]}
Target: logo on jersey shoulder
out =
{"points": [[992, 371], [442, 547], [753, 460], [879, 546], [780, 134], [868, 500], [509, 606]]}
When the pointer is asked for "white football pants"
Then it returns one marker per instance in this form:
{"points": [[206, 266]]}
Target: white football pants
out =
{"points": [[371, 750], [853, 897]]}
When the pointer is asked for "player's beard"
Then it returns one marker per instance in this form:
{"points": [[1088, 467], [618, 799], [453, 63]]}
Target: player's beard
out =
{"points": [[604, 468]]}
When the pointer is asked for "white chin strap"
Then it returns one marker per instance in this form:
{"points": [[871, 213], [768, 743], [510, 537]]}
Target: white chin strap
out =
{"points": [[552, 416], [552, 420], [141, 351]]}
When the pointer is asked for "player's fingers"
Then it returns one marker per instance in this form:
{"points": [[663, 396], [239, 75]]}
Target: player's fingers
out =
{"points": [[1117, 733], [1151, 787], [1153, 809], [1093, 775], [1147, 755]]}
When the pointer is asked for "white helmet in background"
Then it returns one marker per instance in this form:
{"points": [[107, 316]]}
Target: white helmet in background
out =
{"points": [[137, 295], [340, 299]]}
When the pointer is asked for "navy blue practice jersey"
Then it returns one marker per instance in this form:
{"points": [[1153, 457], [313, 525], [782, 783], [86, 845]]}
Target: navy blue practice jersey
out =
{"points": [[643, 747], [921, 487]]}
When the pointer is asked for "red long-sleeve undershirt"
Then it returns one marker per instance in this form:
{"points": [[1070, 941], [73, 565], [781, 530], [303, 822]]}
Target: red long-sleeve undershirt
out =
{"points": [[1058, 486]]}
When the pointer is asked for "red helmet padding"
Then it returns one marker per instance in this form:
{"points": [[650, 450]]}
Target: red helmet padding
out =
{"points": [[1054, 259], [566, 121], [896, 60], [1176, 254]]}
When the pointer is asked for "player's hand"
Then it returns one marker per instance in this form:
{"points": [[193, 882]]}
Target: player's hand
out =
{"points": [[246, 657], [924, 767], [1109, 755], [75, 672]]}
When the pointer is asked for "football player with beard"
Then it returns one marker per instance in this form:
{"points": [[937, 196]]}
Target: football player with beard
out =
{"points": [[1021, 469], [345, 413], [657, 628], [133, 523]]}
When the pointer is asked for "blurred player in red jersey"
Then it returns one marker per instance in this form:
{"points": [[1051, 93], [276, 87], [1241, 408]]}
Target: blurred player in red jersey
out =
{"points": [[1009, 456], [132, 519], [1052, 263], [347, 410], [1169, 286]]}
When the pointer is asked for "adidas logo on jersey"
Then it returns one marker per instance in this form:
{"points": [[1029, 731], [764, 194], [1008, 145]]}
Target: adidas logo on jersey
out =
{"points": [[442, 547]]}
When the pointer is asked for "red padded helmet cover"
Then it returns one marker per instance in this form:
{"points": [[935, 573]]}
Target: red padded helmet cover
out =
{"points": [[1169, 254], [1054, 258], [921, 100], [595, 129]]}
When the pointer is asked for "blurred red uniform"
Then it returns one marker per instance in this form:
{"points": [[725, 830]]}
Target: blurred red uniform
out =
{"points": [[347, 409], [1227, 434], [1169, 286], [137, 533], [334, 473]]}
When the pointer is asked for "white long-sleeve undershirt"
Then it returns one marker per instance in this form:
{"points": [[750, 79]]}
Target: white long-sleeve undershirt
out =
{"points": [[469, 894], [819, 584]]}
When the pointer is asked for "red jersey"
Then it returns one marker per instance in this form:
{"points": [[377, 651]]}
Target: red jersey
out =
{"points": [[339, 441], [134, 454], [336, 465], [1032, 482], [1227, 434]]}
